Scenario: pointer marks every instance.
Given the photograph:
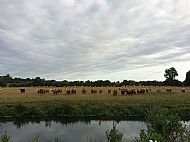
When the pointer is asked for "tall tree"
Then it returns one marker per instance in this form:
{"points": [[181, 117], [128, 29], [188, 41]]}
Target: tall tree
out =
{"points": [[170, 73], [187, 80]]}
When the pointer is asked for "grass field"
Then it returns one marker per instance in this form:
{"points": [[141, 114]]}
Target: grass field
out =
{"points": [[10, 96]]}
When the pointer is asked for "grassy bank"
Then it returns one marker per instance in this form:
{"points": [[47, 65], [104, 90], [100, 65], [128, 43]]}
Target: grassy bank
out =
{"points": [[85, 110]]}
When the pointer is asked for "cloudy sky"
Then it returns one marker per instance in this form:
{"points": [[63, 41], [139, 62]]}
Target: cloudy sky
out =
{"points": [[94, 39]]}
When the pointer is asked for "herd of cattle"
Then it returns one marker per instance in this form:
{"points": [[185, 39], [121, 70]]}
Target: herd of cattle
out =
{"points": [[114, 92]]}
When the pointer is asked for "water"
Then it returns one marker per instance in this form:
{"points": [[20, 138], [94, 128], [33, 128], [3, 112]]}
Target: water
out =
{"points": [[69, 131]]}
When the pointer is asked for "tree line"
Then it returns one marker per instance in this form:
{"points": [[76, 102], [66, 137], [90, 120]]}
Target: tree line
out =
{"points": [[170, 75]]}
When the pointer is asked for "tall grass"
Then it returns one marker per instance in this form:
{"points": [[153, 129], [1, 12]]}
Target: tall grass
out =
{"points": [[85, 110], [5, 137]]}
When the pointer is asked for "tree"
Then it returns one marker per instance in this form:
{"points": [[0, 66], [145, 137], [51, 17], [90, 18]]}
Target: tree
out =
{"points": [[38, 81], [187, 80], [170, 74]]}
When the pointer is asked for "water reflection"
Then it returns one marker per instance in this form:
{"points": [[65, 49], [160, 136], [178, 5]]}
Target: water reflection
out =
{"points": [[69, 130]]}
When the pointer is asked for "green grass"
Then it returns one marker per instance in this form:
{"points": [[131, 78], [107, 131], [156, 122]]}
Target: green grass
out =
{"points": [[162, 99]]}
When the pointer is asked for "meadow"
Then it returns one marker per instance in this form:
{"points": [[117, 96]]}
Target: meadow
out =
{"points": [[11, 95]]}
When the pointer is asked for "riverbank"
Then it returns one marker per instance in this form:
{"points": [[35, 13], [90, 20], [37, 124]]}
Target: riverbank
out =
{"points": [[85, 110], [157, 126]]}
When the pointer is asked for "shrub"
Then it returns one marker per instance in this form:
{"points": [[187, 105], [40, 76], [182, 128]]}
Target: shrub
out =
{"points": [[164, 126]]}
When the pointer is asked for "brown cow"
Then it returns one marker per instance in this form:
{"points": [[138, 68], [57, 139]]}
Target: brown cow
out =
{"points": [[93, 91], [54, 91], [40, 91], [83, 91], [100, 91], [47, 91], [142, 91], [73, 92], [168, 90], [130, 91], [57, 91], [123, 91], [68, 92], [114, 92], [133, 91], [109, 91], [183, 90]]}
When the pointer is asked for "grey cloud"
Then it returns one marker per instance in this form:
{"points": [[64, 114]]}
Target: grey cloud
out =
{"points": [[83, 39]]}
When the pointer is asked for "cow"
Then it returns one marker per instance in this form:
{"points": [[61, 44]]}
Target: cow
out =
{"points": [[133, 91], [183, 90], [41, 91], [83, 91], [57, 91], [100, 91], [168, 90], [54, 91], [93, 91], [158, 91], [138, 91], [123, 91], [22, 90], [114, 92], [141, 91], [73, 92], [68, 92], [109, 91], [130, 91]]}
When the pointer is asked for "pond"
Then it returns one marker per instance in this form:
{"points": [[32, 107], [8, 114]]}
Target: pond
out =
{"points": [[69, 131]]}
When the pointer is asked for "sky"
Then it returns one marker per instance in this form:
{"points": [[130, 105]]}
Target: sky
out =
{"points": [[94, 39]]}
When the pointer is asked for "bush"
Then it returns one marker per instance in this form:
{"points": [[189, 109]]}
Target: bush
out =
{"points": [[164, 126], [19, 109]]}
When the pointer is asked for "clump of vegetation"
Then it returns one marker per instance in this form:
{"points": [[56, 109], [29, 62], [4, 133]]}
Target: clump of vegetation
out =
{"points": [[72, 110], [56, 139], [5, 137], [149, 136], [114, 135], [36, 139], [164, 126]]}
